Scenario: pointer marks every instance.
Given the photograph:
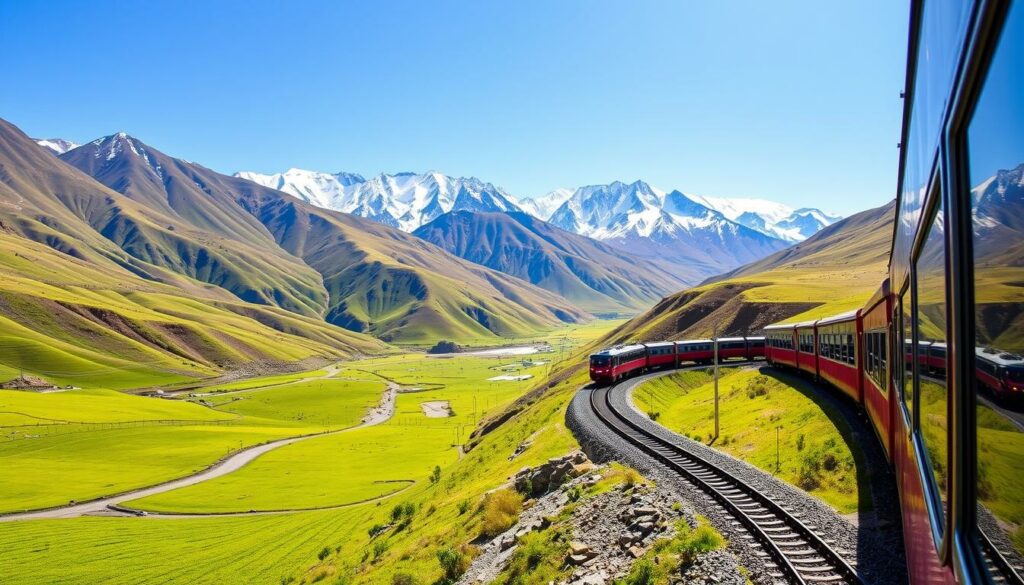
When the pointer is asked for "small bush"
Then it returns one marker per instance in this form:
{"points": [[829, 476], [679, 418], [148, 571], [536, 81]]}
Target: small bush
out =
{"points": [[829, 462], [453, 563], [463, 507], [324, 553], [757, 386], [376, 529], [403, 578], [574, 493], [379, 548], [800, 442], [501, 510], [435, 475], [642, 573]]}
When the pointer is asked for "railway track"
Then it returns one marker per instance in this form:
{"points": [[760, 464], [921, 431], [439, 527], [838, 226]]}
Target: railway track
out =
{"points": [[796, 553]]}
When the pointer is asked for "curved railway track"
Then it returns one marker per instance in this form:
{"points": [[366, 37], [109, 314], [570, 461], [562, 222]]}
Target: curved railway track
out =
{"points": [[797, 554]]}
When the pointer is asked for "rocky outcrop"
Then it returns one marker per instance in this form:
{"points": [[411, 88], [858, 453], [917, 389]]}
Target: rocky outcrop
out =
{"points": [[537, 481]]}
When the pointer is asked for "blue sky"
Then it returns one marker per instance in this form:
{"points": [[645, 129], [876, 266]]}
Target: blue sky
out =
{"points": [[792, 101]]}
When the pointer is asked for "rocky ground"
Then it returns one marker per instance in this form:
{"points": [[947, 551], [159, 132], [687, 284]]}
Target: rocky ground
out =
{"points": [[611, 526]]}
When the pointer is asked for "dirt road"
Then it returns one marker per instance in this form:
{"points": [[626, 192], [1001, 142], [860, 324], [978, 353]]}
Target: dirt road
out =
{"points": [[380, 413]]}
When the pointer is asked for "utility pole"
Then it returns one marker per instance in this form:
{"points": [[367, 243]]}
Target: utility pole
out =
{"points": [[715, 340], [777, 466]]}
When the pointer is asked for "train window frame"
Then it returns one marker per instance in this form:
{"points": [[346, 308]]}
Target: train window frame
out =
{"points": [[940, 513]]}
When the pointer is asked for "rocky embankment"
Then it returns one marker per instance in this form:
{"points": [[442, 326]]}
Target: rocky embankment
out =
{"points": [[613, 520]]}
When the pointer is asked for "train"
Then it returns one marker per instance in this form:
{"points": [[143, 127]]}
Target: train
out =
{"points": [[935, 357], [611, 365]]}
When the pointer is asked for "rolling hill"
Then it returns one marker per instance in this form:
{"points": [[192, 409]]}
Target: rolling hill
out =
{"points": [[835, 270], [595, 276], [75, 306]]}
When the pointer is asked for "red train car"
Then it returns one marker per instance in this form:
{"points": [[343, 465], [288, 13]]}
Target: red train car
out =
{"points": [[756, 347], [876, 372], [780, 344], [701, 351], [806, 346], [732, 348], [611, 365], [838, 354], [661, 354]]}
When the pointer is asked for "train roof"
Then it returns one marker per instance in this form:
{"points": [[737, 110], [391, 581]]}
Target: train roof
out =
{"points": [[619, 349], [847, 316], [805, 324], [696, 341], [721, 339], [999, 357], [756, 338], [778, 327], [660, 344]]}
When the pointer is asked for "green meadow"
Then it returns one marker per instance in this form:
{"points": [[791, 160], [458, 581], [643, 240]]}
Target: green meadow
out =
{"points": [[816, 451]]}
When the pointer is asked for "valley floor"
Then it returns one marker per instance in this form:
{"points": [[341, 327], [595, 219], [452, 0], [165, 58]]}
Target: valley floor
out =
{"points": [[80, 445]]}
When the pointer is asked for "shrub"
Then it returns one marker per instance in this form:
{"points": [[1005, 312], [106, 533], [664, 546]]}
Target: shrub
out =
{"points": [[435, 475], [642, 573], [829, 462], [324, 553], [702, 539], [501, 510], [757, 386], [453, 563], [800, 442], [463, 507], [574, 493], [379, 548], [403, 578], [376, 529]]}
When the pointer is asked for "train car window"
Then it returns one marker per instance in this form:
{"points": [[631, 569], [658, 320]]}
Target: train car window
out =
{"points": [[908, 361], [933, 410], [995, 146]]}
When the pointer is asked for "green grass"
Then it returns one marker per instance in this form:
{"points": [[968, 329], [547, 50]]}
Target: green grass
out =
{"points": [[138, 551], [1000, 474], [100, 406], [816, 451], [348, 467], [83, 444], [321, 403]]}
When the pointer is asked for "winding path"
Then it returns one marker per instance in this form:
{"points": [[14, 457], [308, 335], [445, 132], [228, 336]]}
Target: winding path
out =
{"points": [[109, 505]]}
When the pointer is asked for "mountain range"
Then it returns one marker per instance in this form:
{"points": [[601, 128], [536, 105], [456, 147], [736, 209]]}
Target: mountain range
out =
{"points": [[592, 275], [701, 236]]}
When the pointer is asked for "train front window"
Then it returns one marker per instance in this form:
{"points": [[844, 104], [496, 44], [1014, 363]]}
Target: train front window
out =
{"points": [[599, 361], [933, 413], [995, 150]]}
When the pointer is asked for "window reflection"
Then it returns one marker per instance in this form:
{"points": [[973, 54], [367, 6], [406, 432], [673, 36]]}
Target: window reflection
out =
{"points": [[931, 356], [996, 161]]}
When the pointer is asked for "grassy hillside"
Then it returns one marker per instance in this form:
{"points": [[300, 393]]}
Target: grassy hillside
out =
{"points": [[595, 276], [834, 271], [398, 287]]}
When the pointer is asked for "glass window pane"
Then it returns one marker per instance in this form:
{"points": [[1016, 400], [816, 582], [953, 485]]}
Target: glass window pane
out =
{"points": [[931, 328], [907, 384], [995, 141]]}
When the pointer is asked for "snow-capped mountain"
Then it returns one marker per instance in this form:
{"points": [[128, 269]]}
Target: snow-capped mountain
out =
{"points": [[671, 226], [56, 145], [771, 218], [320, 189], [542, 207], [402, 200]]}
